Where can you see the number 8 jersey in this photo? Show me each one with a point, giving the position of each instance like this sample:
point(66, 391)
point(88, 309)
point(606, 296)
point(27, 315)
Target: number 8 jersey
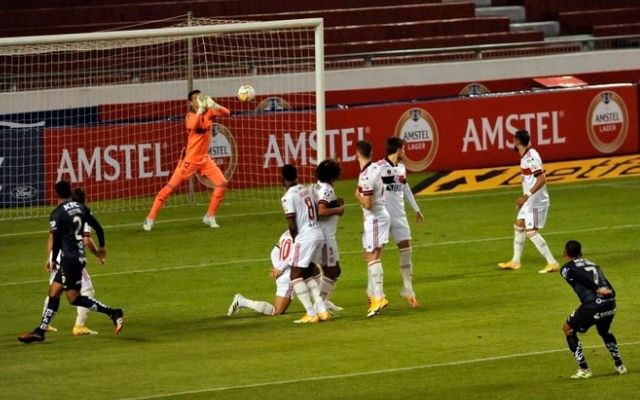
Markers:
point(299, 202)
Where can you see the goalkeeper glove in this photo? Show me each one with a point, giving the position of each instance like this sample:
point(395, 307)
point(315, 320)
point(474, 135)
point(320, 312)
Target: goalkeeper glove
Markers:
point(202, 104)
point(211, 103)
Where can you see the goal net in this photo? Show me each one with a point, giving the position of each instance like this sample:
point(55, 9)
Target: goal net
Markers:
point(106, 111)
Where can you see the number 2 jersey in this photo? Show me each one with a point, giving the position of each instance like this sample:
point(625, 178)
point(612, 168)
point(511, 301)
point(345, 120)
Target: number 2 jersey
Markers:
point(585, 278)
point(67, 224)
point(299, 202)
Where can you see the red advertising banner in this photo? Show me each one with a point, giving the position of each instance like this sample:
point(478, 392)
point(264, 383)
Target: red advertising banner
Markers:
point(116, 161)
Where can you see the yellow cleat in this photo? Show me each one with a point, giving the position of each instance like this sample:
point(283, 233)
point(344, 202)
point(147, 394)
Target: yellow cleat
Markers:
point(324, 316)
point(51, 329)
point(550, 268)
point(377, 304)
point(509, 265)
point(81, 330)
point(307, 319)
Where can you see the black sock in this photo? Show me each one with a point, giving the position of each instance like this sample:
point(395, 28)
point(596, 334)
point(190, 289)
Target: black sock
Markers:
point(612, 345)
point(52, 307)
point(576, 348)
point(93, 305)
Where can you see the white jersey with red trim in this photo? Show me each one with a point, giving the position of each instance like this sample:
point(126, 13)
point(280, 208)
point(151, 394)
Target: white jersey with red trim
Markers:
point(281, 251)
point(299, 202)
point(531, 167)
point(325, 194)
point(370, 184)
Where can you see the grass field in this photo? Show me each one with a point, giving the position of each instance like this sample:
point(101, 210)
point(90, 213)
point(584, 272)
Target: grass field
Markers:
point(481, 333)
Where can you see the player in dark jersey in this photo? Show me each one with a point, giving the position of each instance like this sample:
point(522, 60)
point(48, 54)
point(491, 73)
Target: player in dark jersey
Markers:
point(597, 307)
point(67, 223)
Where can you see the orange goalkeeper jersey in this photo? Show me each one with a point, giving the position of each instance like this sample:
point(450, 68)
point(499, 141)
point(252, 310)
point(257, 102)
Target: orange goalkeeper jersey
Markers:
point(199, 134)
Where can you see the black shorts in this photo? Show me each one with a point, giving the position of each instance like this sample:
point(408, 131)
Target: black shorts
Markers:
point(69, 274)
point(599, 313)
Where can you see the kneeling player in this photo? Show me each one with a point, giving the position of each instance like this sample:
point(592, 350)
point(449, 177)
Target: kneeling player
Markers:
point(598, 307)
point(330, 209)
point(281, 273)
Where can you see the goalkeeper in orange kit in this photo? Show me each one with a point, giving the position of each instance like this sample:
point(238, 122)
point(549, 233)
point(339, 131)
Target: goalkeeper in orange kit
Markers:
point(196, 158)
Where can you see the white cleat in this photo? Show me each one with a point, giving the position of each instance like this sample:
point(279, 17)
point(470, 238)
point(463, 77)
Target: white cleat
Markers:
point(147, 225)
point(331, 307)
point(582, 374)
point(235, 305)
point(210, 221)
point(621, 369)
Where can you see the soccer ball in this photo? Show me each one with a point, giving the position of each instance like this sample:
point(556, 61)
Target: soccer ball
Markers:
point(246, 93)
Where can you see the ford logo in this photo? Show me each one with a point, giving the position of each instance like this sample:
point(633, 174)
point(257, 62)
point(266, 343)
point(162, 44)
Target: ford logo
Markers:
point(24, 192)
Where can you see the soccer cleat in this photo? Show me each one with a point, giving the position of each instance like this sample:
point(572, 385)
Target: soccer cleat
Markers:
point(80, 330)
point(210, 221)
point(147, 225)
point(118, 320)
point(621, 369)
point(307, 319)
point(235, 305)
point(332, 307)
point(51, 329)
point(377, 304)
point(31, 337)
point(410, 296)
point(510, 265)
point(324, 316)
point(385, 303)
point(582, 374)
point(550, 268)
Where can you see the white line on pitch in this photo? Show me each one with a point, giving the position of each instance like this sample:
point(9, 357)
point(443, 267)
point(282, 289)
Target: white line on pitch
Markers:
point(419, 199)
point(391, 248)
point(364, 373)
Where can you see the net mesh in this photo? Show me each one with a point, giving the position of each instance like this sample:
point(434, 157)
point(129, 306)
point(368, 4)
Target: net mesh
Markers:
point(108, 115)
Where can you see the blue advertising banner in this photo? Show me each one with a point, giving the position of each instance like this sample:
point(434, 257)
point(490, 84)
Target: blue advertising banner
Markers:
point(21, 164)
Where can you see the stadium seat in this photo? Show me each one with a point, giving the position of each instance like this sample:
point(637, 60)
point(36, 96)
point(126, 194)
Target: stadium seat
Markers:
point(616, 29)
point(580, 22)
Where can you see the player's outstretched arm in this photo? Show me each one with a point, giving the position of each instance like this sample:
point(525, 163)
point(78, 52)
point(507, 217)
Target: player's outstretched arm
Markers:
point(410, 198)
point(93, 222)
point(91, 245)
point(217, 109)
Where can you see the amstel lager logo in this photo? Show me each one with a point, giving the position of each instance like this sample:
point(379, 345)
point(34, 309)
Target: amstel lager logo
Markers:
point(474, 89)
point(607, 122)
point(420, 133)
point(274, 103)
point(223, 151)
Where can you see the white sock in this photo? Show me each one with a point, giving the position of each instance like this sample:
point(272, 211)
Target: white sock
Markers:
point(83, 313)
point(46, 303)
point(375, 275)
point(258, 306)
point(518, 243)
point(314, 289)
point(369, 285)
point(542, 247)
point(302, 292)
point(406, 269)
point(326, 287)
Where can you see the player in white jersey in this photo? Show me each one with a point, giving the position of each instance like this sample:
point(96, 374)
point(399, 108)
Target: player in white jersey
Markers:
point(370, 195)
point(86, 288)
point(397, 190)
point(330, 209)
point(281, 272)
point(300, 209)
point(532, 206)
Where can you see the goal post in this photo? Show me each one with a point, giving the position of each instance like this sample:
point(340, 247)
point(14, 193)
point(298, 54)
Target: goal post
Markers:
point(105, 111)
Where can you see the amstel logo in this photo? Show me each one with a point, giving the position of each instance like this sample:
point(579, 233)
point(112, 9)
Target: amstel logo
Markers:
point(274, 103)
point(474, 89)
point(607, 122)
point(419, 131)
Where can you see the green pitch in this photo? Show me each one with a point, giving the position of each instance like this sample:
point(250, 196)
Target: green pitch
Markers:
point(481, 333)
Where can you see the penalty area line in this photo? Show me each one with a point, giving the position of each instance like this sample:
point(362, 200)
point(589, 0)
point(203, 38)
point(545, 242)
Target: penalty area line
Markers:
point(365, 373)
point(259, 260)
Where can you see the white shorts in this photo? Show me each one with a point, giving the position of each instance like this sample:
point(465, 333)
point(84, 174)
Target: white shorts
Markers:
point(534, 215)
point(376, 232)
point(86, 284)
point(283, 285)
point(330, 253)
point(305, 253)
point(399, 229)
